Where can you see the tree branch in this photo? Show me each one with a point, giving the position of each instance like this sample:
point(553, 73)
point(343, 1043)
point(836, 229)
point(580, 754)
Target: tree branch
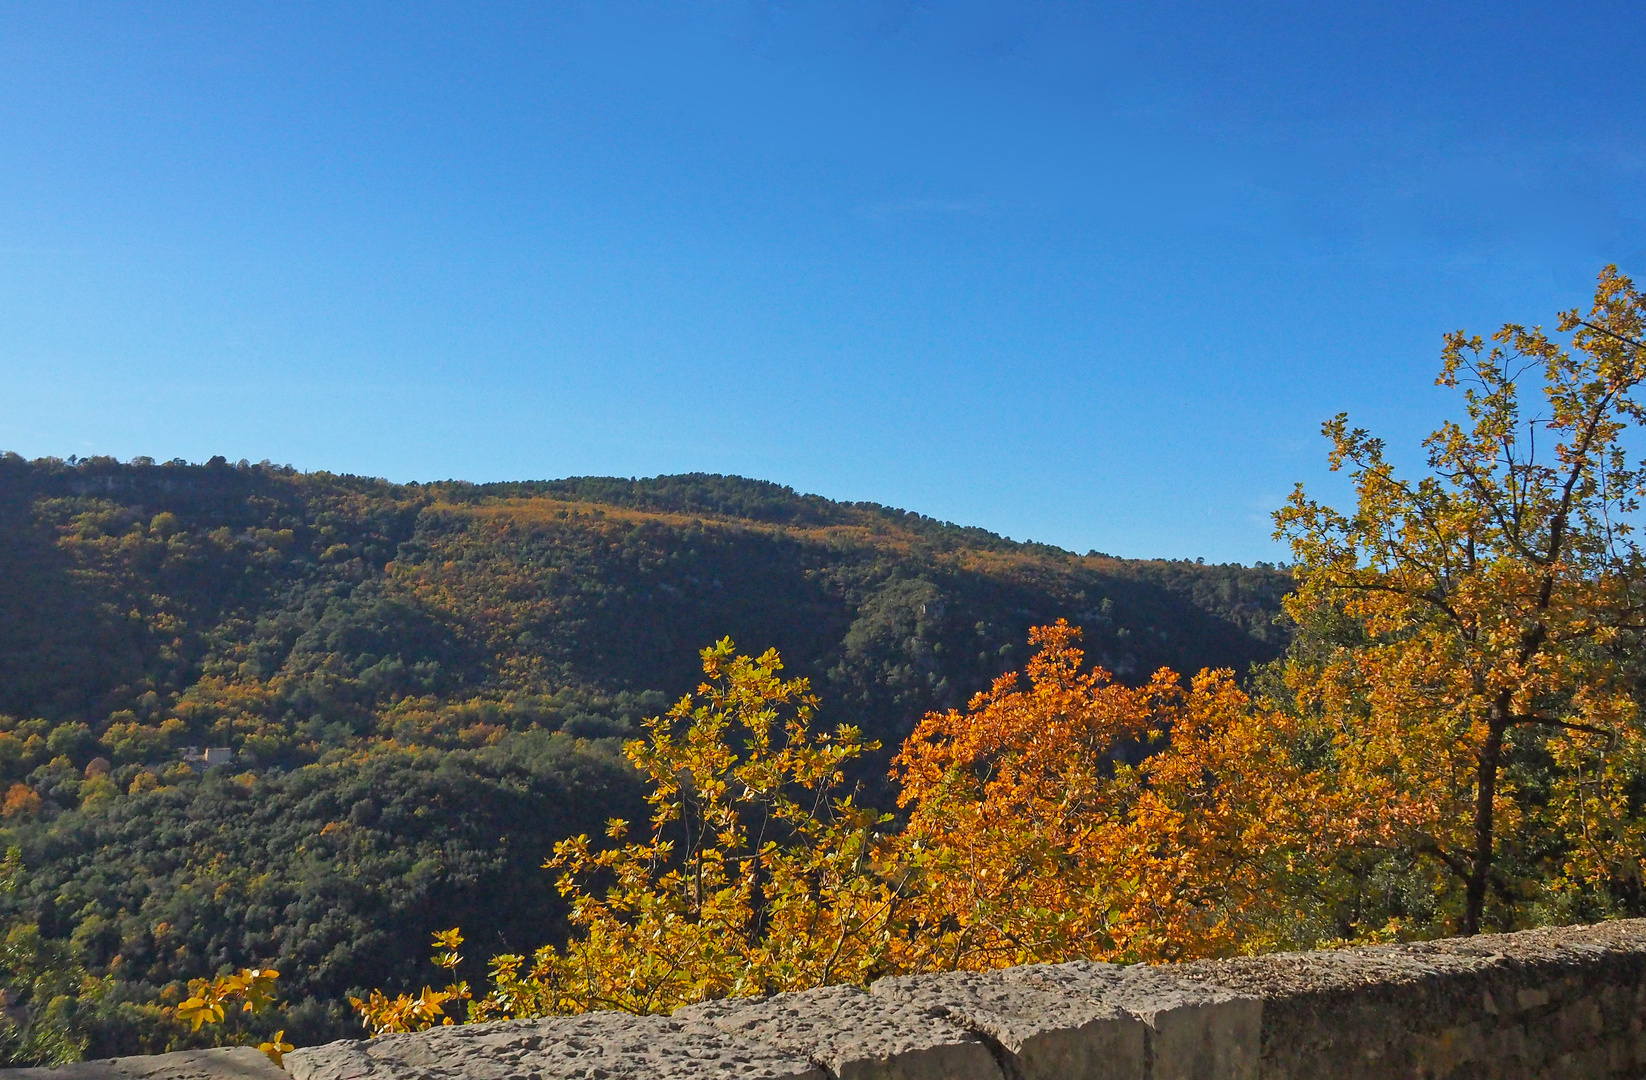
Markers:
point(1614, 336)
point(1547, 721)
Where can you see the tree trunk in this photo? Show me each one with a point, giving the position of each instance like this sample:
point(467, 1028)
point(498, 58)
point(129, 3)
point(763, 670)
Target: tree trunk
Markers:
point(1485, 795)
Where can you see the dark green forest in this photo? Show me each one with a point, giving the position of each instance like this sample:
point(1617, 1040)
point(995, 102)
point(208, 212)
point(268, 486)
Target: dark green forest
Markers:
point(424, 686)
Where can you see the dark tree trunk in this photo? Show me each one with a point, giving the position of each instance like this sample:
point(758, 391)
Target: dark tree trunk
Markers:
point(1485, 795)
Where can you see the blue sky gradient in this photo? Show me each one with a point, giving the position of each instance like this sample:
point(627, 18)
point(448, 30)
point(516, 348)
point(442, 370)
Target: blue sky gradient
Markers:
point(1084, 274)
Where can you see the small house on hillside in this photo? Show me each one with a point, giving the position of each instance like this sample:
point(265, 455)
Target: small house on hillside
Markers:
point(201, 760)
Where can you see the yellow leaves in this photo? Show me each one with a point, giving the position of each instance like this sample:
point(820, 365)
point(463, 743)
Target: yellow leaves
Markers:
point(447, 941)
point(383, 1015)
point(417, 1012)
point(198, 1011)
point(1464, 625)
point(143, 781)
point(277, 1048)
point(210, 1000)
point(1041, 827)
point(754, 876)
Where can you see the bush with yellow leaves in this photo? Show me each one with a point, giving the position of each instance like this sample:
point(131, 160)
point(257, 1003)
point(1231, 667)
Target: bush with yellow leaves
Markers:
point(1027, 840)
point(755, 875)
point(213, 1001)
point(417, 1012)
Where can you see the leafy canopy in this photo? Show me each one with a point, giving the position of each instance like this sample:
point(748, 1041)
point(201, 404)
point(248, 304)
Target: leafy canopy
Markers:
point(1471, 644)
point(1080, 817)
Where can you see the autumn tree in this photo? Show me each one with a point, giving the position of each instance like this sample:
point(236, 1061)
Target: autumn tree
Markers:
point(1470, 634)
point(1071, 817)
point(1076, 816)
point(754, 875)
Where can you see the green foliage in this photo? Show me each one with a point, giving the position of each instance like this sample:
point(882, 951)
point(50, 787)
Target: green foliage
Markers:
point(333, 873)
point(425, 686)
point(43, 988)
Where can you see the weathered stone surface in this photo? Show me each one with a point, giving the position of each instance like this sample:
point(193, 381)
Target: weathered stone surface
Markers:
point(227, 1063)
point(854, 1035)
point(1194, 1030)
point(610, 1046)
point(1559, 1003)
point(1044, 1034)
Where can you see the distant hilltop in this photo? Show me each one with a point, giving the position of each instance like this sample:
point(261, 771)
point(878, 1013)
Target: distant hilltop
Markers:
point(600, 583)
point(308, 719)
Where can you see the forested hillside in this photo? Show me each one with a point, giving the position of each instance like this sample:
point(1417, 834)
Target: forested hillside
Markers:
point(425, 686)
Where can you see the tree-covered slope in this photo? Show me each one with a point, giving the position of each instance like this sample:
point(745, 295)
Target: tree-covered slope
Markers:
point(424, 685)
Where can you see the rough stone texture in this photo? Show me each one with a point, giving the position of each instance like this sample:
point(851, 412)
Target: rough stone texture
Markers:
point(1566, 1003)
point(856, 1036)
point(1038, 1034)
point(229, 1063)
point(1560, 1004)
point(610, 1046)
point(1193, 1030)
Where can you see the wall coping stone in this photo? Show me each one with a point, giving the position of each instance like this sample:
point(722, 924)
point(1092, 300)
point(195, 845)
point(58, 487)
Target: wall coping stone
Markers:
point(1034, 1032)
point(602, 1044)
point(854, 1035)
point(224, 1063)
point(1566, 1003)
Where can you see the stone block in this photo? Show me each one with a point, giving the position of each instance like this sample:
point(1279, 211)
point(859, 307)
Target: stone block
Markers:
point(1537, 1004)
point(1359, 1014)
point(225, 1063)
point(855, 1036)
point(1194, 1030)
point(1042, 1034)
point(612, 1046)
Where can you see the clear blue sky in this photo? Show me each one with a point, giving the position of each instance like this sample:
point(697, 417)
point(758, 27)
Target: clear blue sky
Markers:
point(1085, 274)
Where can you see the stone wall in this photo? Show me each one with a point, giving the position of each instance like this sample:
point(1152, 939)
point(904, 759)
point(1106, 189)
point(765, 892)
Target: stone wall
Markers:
point(1566, 1003)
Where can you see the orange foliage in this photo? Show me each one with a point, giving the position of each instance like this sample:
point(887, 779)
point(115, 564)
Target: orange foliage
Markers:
point(1035, 838)
point(1075, 817)
point(20, 799)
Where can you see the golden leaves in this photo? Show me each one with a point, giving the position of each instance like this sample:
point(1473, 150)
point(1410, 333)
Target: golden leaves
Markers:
point(1069, 817)
point(276, 1048)
point(383, 1015)
point(20, 800)
point(754, 876)
point(1484, 613)
point(210, 1000)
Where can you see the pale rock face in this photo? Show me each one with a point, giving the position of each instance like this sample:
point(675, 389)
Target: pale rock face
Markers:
point(856, 1036)
point(1045, 1034)
point(613, 1046)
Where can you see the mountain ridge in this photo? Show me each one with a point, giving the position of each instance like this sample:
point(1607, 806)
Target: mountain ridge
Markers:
point(424, 686)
